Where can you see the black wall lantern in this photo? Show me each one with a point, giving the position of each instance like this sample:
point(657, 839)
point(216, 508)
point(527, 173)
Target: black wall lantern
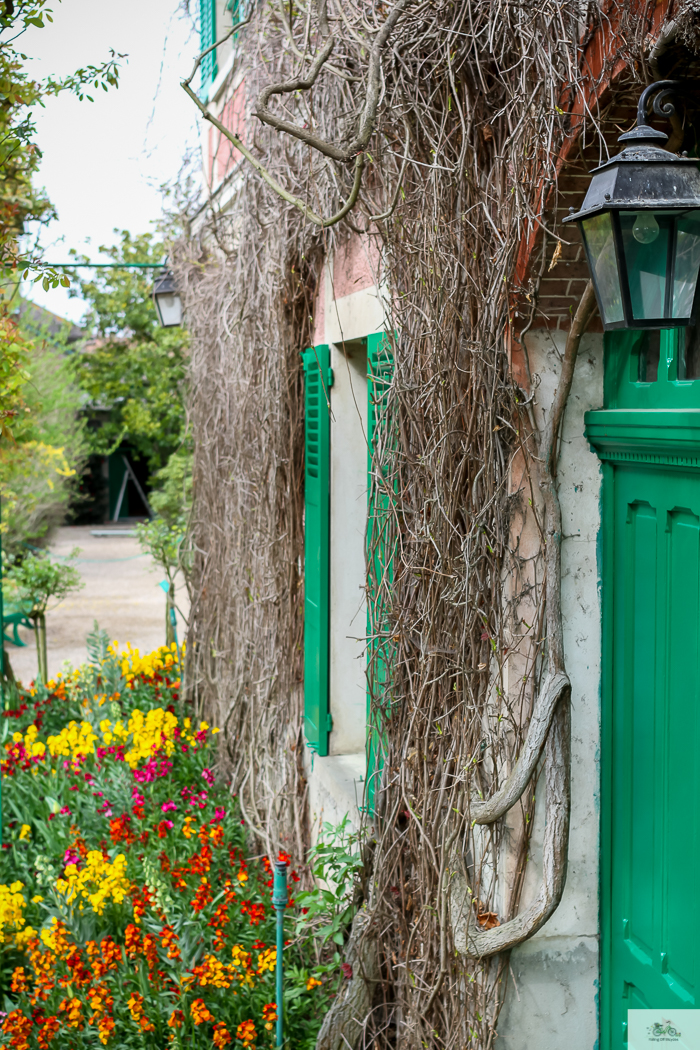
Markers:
point(640, 224)
point(167, 300)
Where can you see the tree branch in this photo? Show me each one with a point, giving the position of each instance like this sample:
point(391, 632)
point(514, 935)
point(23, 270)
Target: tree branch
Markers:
point(557, 688)
point(554, 687)
point(272, 182)
point(368, 116)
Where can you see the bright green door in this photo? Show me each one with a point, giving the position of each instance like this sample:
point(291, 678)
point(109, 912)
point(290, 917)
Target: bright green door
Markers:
point(649, 440)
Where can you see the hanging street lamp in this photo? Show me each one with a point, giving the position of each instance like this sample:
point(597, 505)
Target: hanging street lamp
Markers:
point(640, 225)
point(167, 300)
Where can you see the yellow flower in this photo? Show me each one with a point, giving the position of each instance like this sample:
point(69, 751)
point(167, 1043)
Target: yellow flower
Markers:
point(25, 832)
point(25, 935)
point(11, 909)
point(37, 899)
point(97, 882)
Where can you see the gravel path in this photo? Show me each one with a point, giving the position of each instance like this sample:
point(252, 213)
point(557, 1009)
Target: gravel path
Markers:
point(121, 592)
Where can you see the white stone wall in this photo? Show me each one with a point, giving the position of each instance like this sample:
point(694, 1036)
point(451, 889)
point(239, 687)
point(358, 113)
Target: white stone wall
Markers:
point(552, 995)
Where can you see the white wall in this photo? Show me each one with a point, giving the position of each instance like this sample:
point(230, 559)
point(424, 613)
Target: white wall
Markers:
point(552, 996)
point(348, 488)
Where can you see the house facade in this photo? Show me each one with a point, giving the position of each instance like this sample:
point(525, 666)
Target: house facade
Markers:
point(383, 597)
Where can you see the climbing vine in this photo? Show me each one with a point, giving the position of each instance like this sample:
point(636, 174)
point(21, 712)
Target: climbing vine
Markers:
point(477, 102)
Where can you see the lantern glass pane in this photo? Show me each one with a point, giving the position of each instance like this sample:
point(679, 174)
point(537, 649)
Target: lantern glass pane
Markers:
point(687, 266)
point(645, 241)
point(600, 248)
point(169, 307)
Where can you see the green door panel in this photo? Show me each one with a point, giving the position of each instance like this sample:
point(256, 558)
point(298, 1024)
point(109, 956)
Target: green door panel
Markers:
point(655, 739)
point(318, 379)
point(648, 437)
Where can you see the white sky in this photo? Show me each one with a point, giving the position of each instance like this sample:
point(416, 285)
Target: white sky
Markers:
point(104, 161)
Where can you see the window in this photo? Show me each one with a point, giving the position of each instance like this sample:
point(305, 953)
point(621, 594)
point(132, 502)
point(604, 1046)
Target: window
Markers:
point(344, 388)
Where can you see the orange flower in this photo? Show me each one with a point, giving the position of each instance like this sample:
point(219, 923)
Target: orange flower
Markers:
point(269, 1015)
point(176, 1019)
point(203, 896)
point(200, 1013)
point(72, 1007)
point(312, 983)
point(150, 950)
point(135, 1005)
point(18, 1027)
point(132, 940)
point(105, 1027)
point(169, 941)
point(47, 1031)
point(19, 980)
point(222, 1036)
point(111, 952)
point(246, 1033)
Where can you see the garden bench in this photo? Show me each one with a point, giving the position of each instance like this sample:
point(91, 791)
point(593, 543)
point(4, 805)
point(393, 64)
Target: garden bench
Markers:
point(15, 615)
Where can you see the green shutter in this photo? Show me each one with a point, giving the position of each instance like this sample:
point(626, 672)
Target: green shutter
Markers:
point(316, 547)
point(380, 556)
point(207, 37)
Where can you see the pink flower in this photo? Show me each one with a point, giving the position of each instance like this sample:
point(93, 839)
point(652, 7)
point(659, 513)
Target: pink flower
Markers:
point(66, 811)
point(168, 806)
point(208, 776)
point(71, 857)
point(219, 814)
point(137, 797)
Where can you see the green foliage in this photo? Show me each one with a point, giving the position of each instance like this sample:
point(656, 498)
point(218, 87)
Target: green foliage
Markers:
point(39, 580)
point(330, 906)
point(172, 495)
point(39, 467)
point(34, 582)
point(163, 543)
point(33, 487)
point(133, 367)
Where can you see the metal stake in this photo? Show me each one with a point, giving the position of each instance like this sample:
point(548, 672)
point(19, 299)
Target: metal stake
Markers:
point(2, 659)
point(279, 903)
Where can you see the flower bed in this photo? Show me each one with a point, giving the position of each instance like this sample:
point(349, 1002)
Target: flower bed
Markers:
point(130, 912)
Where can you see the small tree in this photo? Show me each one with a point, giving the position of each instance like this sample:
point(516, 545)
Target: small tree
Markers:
point(38, 580)
point(163, 542)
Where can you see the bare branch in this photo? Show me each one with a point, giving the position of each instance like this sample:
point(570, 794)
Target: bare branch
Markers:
point(271, 181)
point(368, 116)
point(390, 211)
point(198, 61)
point(555, 687)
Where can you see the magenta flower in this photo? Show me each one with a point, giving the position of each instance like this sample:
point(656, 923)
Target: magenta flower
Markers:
point(71, 857)
point(219, 814)
point(168, 806)
point(208, 776)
